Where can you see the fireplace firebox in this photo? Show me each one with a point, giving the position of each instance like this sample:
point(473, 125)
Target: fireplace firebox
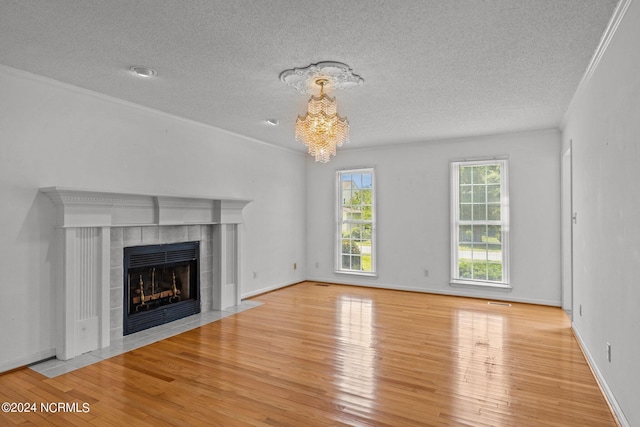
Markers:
point(161, 284)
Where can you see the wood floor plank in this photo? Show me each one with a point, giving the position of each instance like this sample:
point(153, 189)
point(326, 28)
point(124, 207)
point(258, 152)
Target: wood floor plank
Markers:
point(338, 355)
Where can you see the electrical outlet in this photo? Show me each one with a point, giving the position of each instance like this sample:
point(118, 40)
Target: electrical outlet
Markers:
point(609, 352)
point(295, 266)
point(255, 274)
point(426, 273)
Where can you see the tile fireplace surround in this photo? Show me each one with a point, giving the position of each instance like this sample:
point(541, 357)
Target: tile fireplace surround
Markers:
point(93, 227)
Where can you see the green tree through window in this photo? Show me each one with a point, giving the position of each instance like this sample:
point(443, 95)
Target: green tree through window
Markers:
point(356, 247)
point(480, 222)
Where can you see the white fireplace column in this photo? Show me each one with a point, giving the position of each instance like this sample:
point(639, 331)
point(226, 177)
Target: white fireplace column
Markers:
point(83, 282)
point(83, 300)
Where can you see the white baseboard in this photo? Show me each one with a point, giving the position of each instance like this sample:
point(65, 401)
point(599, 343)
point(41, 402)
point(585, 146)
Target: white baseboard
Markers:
point(24, 361)
point(498, 296)
point(608, 394)
point(270, 288)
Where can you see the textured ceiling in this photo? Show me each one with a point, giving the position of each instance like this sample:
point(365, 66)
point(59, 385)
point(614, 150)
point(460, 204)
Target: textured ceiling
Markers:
point(433, 69)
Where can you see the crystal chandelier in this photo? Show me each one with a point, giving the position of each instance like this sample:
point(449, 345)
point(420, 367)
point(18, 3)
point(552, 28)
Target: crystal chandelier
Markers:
point(322, 129)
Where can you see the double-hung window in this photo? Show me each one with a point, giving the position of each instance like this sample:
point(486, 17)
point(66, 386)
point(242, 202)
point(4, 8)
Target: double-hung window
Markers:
point(355, 238)
point(480, 223)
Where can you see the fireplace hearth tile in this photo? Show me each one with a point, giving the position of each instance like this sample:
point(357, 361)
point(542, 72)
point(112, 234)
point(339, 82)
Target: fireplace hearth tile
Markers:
point(53, 367)
point(116, 317)
point(115, 279)
point(132, 236)
point(194, 232)
point(150, 235)
point(174, 234)
point(115, 257)
point(116, 234)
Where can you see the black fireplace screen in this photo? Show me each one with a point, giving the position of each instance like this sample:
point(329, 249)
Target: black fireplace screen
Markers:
point(161, 284)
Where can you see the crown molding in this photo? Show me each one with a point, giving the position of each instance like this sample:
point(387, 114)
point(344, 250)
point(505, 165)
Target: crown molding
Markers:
point(606, 38)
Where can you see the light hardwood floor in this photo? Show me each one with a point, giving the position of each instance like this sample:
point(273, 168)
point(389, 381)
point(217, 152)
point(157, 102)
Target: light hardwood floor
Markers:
point(316, 355)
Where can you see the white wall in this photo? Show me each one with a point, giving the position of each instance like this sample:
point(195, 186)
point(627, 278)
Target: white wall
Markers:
point(55, 135)
point(604, 125)
point(413, 206)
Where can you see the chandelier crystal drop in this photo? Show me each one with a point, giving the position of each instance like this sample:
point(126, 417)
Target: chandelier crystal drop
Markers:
point(322, 129)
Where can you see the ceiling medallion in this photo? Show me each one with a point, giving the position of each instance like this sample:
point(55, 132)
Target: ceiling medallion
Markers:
point(321, 129)
point(338, 76)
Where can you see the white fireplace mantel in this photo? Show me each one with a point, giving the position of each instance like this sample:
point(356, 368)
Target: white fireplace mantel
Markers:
point(92, 208)
point(86, 306)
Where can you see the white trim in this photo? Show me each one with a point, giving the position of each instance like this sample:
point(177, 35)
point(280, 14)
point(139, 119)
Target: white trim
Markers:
point(607, 36)
point(479, 283)
point(357, 273)
point(454, 168)
point(338, 221)
point(608, 394)
point(271, 288)
point(27, 360)
point(450, 292)
point(92, 208)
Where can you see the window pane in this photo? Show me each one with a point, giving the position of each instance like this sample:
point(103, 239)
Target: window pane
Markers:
point(493, 174)
point(364, 196)
point(494, 233)
point(356, 232)
point(464, 233)
point(346, 215)
point(357, 180)
point(480, 252)
point(346, 246)
point(494, 271)
point(479, 233)
point(465, 194)
point(480, 270)
point(465, 212)
point(493, 212)
point(346, 262)
point(465, 174)
point(355, 262)
point(480, 175)
point(366, 231)
point(479, 212)
point(365, 262)
point(366, 213)
point(479, 194)
point(464, 252)
point(493, 193)
point(464, 269)
point(367, 180)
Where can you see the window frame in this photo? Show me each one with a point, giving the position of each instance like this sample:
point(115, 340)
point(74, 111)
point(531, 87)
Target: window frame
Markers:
point(339, 222)
point(504, 222)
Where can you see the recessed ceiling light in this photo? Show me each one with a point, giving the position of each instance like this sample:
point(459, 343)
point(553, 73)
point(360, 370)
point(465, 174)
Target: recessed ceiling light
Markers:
point(142, 71)
point(273, 122)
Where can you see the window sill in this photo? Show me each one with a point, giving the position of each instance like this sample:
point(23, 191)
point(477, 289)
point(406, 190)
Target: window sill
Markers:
point(357, 273)
point(477, 283)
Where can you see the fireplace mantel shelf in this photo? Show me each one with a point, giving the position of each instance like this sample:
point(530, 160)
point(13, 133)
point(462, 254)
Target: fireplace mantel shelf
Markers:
point(91, 208)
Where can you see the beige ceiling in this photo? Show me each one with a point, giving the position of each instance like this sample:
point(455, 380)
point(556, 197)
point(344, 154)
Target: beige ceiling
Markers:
point(432, 68)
